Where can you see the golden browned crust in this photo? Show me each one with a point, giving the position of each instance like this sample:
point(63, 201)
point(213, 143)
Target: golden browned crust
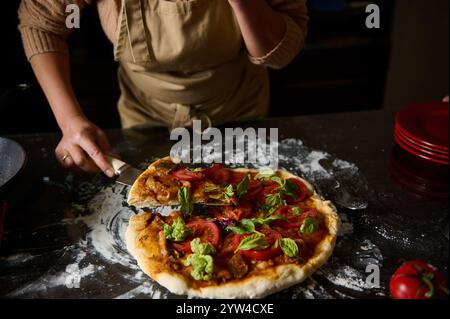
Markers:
point(258, 285)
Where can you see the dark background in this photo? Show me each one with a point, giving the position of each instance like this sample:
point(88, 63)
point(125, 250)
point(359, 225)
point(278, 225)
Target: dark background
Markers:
point(344, 66)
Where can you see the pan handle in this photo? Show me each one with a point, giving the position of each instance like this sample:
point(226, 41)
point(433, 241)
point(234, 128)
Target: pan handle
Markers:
point(116, 163)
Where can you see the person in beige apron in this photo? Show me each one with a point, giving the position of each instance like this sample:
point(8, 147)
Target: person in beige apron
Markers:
point(179, 61)
point(175, 72)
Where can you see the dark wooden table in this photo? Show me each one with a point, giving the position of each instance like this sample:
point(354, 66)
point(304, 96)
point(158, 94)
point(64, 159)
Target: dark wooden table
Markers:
point(408, 207)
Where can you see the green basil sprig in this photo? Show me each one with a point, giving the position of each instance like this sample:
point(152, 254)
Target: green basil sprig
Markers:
point(256, 241)
point(200, 248)
point(216, 192)
point(202, 266)
point(184, 199)
point(248, 226)
point(309, 226)
point(201, 260)
point(242, 187)
point(289, 247)
point(265, 174)
point(177, 231)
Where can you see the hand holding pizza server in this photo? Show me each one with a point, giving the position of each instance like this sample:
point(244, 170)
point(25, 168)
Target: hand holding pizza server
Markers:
point(206, 60)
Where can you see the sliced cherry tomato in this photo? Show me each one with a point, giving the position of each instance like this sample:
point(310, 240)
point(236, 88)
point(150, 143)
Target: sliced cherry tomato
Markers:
point(187, 175)
point(269, 188)
point(309, 213)
point(418, 280)
point(291, 221)
point(238, 213)
point(254, 189)
point(236, 177)
point(218, 174)
point(261, 255)
point(302, 192)
point(207, 231)
point(183, 247)
point(231, 243)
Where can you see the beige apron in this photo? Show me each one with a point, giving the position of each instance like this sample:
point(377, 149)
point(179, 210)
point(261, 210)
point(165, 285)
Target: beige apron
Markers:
point(185, 60)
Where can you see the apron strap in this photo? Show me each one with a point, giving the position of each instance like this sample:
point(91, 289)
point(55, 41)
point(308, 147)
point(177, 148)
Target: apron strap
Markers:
point(132, 29)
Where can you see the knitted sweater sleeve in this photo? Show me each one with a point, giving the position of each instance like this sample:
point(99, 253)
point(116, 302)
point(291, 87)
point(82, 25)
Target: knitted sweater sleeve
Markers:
point(43, 25)
point(295, 14)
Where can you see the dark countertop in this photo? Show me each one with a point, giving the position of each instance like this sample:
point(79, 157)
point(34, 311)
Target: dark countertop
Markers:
point(51, 237)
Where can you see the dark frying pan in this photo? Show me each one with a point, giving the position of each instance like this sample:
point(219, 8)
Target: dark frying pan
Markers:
point(12, 160)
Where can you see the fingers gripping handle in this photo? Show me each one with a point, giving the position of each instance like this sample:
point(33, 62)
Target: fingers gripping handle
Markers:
point(116, 163)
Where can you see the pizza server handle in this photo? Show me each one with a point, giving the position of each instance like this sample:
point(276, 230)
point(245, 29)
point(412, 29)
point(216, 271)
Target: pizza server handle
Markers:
point(116, 163)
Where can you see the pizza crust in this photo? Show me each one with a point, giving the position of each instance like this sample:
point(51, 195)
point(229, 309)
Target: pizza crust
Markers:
point(267, 282)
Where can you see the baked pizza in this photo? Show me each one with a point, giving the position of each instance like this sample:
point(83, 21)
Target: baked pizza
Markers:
point(270, 231)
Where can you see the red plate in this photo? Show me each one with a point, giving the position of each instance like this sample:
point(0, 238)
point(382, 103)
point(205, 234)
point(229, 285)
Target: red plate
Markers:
point(426, 123)
point(419, 143)
point(419, 153)
point(419, 147)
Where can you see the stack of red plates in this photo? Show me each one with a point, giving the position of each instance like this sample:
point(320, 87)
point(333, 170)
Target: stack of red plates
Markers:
point(423, 130)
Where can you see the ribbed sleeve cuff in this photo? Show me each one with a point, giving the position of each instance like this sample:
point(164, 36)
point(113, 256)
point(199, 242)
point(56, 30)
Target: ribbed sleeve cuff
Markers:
point(286, 50)
point(36, 41)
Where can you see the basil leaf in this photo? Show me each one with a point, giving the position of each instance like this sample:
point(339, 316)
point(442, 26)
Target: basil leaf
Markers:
point(254, 242)
point(289, 247)
point(290, 188)
point(266, 173)
point(228, 192)
point(177, 231)
point(248, 226)
point(296, 211)
point(278, 180)
point(275, 200)
point(245, 226)
point(268, 210)
point(268, 220)
point(214, 192)
point(200, 248)
point(242, 187)
point(212, 189)
point(309, 226)
point(202, 266)
point(184, 198)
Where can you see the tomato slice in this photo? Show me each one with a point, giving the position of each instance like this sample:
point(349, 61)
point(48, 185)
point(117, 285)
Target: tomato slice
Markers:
point(187, 175)
point(291, 221)
point(302, 192)
point(207, 231)
point(231, 243)
point(254, 189)
point(271, 236)
point(309, 213)
point(270, 188)
point(218, 174)
point(236, 177)
point(183, 247)
point(261, 255)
